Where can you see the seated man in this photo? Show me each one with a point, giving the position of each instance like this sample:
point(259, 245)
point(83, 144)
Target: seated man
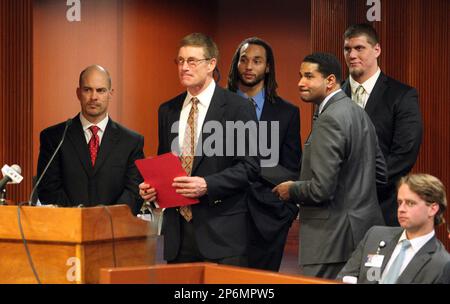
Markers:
point(410, 253)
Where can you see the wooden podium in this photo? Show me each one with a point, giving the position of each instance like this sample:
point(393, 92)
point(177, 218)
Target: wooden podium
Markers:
point(70, 245)
point(201, 273)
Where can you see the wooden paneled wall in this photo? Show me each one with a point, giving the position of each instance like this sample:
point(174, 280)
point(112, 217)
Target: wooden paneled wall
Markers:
point(286, 27)
point(136, 40)
point(415, 41)
point(16, 91)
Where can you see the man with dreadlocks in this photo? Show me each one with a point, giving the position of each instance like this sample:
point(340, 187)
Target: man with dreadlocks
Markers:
point(252, 75)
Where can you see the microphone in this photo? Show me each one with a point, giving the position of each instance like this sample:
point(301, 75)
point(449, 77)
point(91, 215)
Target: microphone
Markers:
point(68, 123)
point(10, 175)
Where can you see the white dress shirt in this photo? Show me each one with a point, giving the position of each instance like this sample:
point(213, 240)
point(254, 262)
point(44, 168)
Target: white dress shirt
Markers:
point(204, 101)
point(86, 125)
point(324, 102)
point(416, 244)
point(368, 86)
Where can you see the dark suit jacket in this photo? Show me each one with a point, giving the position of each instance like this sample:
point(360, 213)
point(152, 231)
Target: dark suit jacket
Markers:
point(337, 190)
point(269, 214)
point(71, 180)
point(426, 267)
point(394, 110)
point(220, 218)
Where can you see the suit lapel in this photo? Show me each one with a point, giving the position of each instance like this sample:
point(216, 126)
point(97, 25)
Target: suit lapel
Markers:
point(391, 240)
point(269, 115)
point(173, 116)
point(75, 135)
point(377, 94)
point(214, 113)
point(109, 141)
point(389, 249)
point(338, 96)
point(314, 118)
point(417, 262)
point(268, 112)
point(346, 88)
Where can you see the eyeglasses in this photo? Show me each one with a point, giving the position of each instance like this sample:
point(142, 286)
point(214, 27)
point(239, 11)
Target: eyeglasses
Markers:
point(192, 62)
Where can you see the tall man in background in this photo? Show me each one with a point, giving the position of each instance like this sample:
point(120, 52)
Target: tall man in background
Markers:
point(252, 75)
point(391, 105)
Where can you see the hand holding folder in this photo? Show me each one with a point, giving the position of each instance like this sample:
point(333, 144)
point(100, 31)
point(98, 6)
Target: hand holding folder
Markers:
point(159, 172)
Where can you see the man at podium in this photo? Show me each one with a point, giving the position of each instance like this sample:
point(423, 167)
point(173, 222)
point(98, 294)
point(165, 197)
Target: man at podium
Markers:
point(95, 163)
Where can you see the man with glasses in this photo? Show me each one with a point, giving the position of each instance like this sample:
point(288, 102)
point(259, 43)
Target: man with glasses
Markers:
point(215, 229)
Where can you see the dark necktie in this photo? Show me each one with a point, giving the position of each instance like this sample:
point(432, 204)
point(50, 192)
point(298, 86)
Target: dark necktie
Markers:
point(314, 118)
point(94, 144)
point(254, 105)
point(315, 115)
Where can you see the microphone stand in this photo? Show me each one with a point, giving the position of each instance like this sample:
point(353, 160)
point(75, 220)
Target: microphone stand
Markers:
point(3, 197)
point(30, 200)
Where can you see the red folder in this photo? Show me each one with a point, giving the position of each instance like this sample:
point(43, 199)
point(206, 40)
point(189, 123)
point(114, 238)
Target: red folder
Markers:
point(159, 172)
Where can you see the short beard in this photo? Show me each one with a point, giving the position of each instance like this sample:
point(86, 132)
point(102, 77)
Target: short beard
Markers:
point(356, 73)
point(251, 83)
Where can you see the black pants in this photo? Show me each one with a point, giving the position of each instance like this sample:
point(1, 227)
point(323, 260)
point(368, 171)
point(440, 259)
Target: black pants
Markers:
point(189, 252)
point(263, 254)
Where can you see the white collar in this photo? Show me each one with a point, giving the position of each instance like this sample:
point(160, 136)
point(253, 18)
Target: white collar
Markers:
point(368, 85)
point(86, 124)
point(204, 97)
point(418, 242)
point(324, 102)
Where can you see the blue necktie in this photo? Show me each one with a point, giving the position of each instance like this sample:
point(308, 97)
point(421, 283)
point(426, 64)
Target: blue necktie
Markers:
point(394, 272)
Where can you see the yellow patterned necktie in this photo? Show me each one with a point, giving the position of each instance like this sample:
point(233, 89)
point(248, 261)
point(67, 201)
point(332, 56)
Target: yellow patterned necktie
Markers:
point(359, 96)
point(188, 150)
